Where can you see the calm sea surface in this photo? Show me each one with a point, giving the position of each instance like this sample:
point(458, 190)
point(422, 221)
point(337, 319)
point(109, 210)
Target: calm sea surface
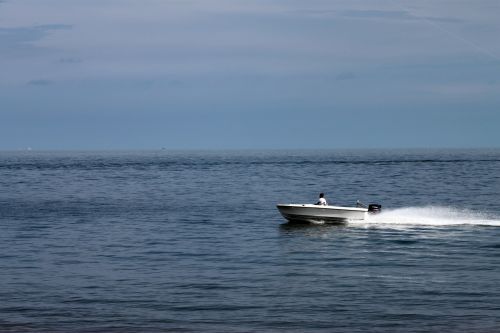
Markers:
point(162, 241)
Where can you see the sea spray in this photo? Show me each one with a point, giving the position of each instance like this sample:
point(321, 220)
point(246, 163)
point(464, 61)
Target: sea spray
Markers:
point(432, 216)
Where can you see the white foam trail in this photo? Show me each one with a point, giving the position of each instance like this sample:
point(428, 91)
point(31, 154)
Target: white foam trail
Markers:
point(431, 216)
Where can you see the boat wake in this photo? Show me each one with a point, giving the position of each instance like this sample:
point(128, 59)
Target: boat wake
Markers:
point(430, 216)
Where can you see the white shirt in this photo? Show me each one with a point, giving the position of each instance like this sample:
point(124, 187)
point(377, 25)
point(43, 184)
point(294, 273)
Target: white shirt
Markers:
point(322, 202)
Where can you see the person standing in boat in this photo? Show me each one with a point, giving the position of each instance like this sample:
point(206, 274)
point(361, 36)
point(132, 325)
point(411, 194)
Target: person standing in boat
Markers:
point(322, 200)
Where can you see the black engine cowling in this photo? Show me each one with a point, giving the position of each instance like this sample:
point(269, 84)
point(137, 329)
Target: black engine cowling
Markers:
point(374, 208)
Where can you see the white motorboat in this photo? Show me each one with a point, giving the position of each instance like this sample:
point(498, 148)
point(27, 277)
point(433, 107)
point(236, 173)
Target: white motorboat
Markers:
point(322, 214)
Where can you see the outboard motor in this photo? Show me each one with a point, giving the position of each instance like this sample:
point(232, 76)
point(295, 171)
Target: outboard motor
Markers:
point(374, 208)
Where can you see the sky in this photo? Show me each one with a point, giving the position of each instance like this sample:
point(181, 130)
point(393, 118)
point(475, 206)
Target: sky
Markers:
point(253, 74)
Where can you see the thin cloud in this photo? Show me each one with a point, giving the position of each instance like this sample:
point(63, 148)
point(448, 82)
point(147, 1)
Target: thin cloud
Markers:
point(401, 15)
point(397, 15)
point(15, 40)
point(384, 14)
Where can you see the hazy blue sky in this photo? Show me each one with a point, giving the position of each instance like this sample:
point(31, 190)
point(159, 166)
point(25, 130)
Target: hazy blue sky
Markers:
point(105, 74)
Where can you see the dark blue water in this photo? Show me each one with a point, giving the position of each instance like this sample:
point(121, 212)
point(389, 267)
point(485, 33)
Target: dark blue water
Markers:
point(165, 241)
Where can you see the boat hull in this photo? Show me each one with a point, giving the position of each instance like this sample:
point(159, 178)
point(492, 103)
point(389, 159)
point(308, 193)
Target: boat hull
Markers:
point(321, 214)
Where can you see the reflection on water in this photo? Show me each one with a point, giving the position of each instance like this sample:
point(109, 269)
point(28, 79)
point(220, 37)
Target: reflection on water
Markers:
point(311, 229)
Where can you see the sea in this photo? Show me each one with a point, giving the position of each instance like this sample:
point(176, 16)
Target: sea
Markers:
point(191, 241)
